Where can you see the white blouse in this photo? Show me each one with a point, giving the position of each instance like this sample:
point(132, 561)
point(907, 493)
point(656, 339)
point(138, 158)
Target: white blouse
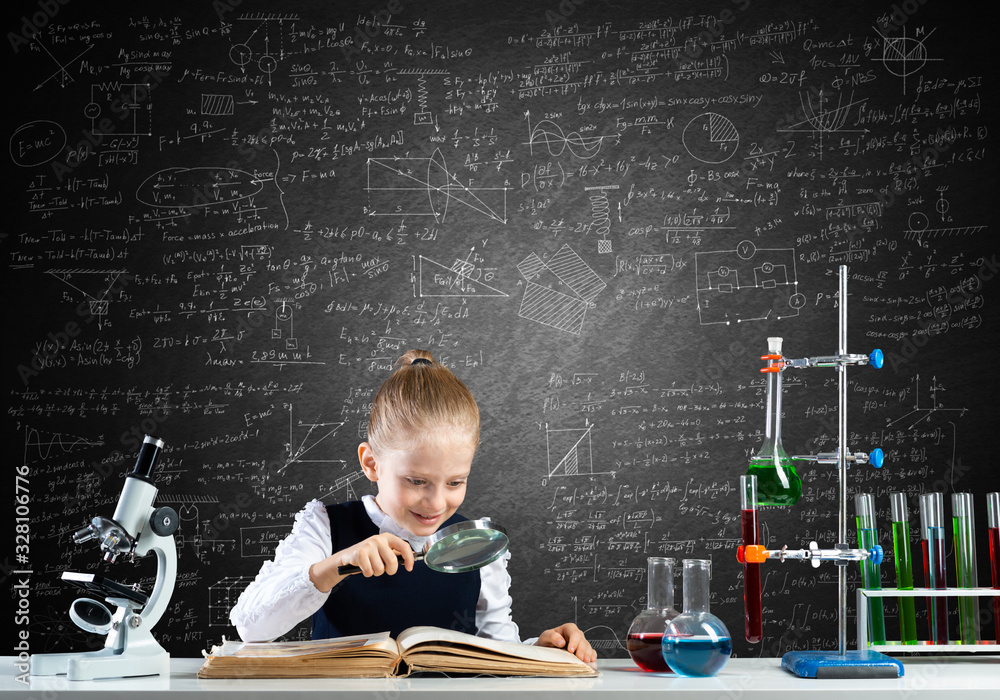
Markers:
point(282, 595)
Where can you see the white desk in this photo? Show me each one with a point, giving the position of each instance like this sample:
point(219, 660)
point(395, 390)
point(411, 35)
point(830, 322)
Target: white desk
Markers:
point(965, 678)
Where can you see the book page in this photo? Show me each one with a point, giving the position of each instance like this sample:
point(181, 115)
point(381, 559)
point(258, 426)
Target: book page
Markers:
point(315, 646)
point(421, 635)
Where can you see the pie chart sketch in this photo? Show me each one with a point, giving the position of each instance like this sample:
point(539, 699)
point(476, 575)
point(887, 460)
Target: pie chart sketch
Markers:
point(711, 138)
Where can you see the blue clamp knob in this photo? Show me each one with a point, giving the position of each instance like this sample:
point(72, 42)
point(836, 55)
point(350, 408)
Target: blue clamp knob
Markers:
point(875, 359)
point(876, 458)
point(875, 555)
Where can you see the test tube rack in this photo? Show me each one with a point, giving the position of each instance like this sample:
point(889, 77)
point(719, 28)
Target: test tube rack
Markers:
point(920, 647)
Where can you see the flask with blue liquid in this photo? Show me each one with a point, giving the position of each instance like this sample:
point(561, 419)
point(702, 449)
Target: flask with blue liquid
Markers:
point(696, 642)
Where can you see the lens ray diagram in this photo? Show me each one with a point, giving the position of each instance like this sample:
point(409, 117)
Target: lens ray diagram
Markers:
point(425, 187)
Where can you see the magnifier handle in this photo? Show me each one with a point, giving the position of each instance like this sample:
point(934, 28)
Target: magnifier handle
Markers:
point(348, 569)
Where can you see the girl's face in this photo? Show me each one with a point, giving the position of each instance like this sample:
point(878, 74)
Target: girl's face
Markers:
point(422, 487)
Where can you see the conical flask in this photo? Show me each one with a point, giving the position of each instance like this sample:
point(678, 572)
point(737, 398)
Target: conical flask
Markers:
point(696, 642)
point(645, 636)
point(777, 482)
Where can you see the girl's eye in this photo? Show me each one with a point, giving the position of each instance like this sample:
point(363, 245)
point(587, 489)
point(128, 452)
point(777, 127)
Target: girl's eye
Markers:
point(456, 483)
point(416, 482)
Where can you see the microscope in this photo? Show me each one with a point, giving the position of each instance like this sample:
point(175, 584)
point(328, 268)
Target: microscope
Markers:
point(136, 529)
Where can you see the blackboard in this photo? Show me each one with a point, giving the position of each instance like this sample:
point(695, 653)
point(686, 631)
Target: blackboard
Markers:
point(227, 219)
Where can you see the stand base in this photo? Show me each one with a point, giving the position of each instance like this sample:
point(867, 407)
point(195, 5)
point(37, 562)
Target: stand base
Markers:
point(851, 664)
point(88, 665)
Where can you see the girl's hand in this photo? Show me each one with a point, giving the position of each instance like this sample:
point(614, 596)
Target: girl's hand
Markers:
point(571, 638)
point(375, 556)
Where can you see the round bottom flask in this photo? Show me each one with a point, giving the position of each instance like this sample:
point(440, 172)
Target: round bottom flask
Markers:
point(645, 636)
point(696, 642)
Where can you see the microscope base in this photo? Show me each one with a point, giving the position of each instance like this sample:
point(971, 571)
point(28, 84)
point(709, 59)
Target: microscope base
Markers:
point(146, 660)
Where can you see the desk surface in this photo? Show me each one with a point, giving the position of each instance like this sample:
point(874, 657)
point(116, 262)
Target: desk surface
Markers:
point(741, 679)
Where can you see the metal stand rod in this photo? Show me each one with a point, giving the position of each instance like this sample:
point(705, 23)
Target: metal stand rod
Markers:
point(842, 465)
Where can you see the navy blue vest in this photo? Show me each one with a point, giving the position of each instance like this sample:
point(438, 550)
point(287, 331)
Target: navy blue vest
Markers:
point(359, 605)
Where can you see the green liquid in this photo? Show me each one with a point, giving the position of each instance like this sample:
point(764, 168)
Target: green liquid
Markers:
point(871, 579)
point(965, 565)
point(777, 482)
point(904, 582)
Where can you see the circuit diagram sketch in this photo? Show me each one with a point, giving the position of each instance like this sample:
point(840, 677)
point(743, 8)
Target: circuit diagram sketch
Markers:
point(746, 284)
point(425, 187)
point(129, 103)
point(544, 301)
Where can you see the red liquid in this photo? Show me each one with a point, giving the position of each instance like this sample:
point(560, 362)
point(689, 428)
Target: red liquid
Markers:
point(938, 605)
point(994, 538)
point(751, 582)
point(646, 649)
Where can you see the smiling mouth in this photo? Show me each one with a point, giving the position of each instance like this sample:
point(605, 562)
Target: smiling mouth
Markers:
point(427, 519)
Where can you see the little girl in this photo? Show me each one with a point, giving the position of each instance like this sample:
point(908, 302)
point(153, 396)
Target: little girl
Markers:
point(422, 437)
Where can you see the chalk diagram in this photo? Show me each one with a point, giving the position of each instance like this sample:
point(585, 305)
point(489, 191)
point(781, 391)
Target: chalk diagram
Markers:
point(49, 444)
point(425, 187)
point(179, 192)
point(461, 279)
point(94, 285)
point(129, 103)
point(711, 138)
point(218, 105)
point(904, 56)
point(302, 448)
point(222, 597)
point(190, 531)
point(568, 452)
point(555, 141)
point(256, 51)
point(746, 284)
point(822, 118)
point(62, 74)
point(919, 227)
point(284, 323)
point(544, 303)
point(423, 116)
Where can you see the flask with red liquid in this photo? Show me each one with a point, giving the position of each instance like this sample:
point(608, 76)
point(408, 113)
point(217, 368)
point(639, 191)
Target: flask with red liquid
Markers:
point(645, 636)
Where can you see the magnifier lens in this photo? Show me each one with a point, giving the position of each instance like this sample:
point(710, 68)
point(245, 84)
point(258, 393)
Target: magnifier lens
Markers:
point(466, 550)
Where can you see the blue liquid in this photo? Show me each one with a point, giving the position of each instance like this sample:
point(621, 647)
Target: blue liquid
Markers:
point(696, 656)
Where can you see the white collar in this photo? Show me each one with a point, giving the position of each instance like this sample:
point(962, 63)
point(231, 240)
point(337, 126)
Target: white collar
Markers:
point(384, 523)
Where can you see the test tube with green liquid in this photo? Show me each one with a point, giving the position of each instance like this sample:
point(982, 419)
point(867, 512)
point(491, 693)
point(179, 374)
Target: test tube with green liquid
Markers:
point(935, 572)
point(864, 507)
point(963, 521)
point(904, 567)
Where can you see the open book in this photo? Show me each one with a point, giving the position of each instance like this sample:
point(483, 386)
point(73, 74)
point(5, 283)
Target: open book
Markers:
point(379, 656)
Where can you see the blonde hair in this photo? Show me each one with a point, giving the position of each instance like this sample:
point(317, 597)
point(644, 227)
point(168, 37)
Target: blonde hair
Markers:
point(421, 398)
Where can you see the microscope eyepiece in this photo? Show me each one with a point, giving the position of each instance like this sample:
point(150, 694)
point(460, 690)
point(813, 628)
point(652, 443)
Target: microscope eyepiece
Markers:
point(149, 454)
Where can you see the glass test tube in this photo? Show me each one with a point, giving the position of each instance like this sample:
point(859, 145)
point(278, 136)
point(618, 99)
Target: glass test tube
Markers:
point(864, 507)
point(963, 522)
point(993, 522)
point(932, 541)
point(751, 572)
point(904, 567)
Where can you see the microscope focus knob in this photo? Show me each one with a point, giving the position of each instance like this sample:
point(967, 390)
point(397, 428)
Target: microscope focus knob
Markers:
point(164, 521)
point(876, 458)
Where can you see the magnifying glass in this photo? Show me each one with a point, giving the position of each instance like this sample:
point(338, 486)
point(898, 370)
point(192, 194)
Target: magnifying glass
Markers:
point(464, 546)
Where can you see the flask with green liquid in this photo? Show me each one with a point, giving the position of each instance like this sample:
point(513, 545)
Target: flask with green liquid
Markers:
point(777, 482)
